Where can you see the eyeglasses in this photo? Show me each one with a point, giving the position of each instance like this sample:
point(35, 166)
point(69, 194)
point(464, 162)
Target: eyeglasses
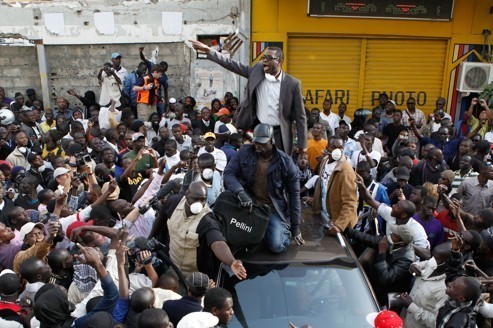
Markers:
point(268, 58)
point(411, 103)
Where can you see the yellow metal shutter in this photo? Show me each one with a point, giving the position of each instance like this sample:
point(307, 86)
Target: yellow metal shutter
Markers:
point(403, 68)
point(327, 68)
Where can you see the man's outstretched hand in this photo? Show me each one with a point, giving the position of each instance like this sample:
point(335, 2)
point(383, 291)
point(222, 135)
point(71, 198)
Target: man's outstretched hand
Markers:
point(197, 45)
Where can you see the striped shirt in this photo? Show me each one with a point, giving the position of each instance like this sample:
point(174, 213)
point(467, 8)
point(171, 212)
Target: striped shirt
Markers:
point(458, 179)
point(419, 119)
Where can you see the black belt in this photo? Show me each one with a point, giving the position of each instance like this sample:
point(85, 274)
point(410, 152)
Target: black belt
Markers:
point(276, 128)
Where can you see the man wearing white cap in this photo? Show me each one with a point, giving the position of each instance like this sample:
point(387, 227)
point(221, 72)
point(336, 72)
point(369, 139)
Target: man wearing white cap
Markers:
point(39, 244)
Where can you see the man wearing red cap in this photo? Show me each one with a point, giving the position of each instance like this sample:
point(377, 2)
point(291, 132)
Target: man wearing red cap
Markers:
point(224, 117)
point(384, 319)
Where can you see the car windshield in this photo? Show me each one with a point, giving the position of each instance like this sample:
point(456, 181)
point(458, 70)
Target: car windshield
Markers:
point(332, 294)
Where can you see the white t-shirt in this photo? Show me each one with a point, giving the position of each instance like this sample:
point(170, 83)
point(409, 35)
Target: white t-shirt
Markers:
point(311, 182)
point(109, 89)
point(358, 157)
point(219, 157)
point(332, 119)
point(327, 172)
point(420, 238)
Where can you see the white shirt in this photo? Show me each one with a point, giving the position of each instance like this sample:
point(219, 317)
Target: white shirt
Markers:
point(332, 119)
point(172, 160)
point(327, 172)
point(268, 92)
point(311, 182)
point(426, 293)
point(358, 157)
point(122, 74)
point(420, 238)
point(219, 157)
point(109, 89)
point(230, 126)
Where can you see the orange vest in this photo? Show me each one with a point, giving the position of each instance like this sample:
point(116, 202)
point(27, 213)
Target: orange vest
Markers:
point(144, 96)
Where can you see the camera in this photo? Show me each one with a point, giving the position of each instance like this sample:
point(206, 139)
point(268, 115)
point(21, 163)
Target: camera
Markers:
point(80, 176)
point(82, 159)
point(140, 244)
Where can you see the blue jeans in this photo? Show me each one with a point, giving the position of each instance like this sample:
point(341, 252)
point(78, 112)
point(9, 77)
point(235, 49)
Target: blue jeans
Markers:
point(277, 236)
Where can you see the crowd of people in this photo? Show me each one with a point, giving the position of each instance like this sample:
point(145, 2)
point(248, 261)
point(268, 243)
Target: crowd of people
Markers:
point(107, 206)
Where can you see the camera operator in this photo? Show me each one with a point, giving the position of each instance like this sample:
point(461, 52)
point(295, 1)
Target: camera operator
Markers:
point(198, 244)
point(39, 170)
point(111, 85)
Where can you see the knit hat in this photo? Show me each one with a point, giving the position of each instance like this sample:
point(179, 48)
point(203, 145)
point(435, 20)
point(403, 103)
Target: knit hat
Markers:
point(16, 170)
point(224, 130)
point(448, 175)
point(100, 319)
point(52, 308)
point(404, 231)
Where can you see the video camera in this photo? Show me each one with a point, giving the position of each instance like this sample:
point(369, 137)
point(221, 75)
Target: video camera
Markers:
point(140, 244)
point(82, 159)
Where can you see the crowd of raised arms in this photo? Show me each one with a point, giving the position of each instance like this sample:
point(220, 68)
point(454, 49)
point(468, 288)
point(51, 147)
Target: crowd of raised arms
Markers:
point(107, 205)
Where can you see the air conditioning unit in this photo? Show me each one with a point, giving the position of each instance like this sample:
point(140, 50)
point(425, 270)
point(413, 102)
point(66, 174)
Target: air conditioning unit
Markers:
point(473, 77)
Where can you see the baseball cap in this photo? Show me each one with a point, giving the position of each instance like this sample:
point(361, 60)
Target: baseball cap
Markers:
point(28, 227)
point(342, 122)
point(402, 173)
point(9, 283)
point(209, 135)
point(137, 135)
point(198, 320)
point(262, 133)
point(224, 130)
point(59, 171)
point(223, 111)
point(172, 100)
point(115, 55)
point(198, 282)
point(404, 231)
point(384, 319)
point(77, 224)
point(391, 101)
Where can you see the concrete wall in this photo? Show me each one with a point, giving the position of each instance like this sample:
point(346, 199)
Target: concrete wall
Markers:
point(77, 66)
point(18, 69)
point(74, 52)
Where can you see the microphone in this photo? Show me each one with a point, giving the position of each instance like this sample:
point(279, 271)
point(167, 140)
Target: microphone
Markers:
point(161, 193)
point(166, 189)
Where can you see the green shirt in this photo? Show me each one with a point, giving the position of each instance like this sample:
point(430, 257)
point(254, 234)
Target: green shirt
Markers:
point(145, 163)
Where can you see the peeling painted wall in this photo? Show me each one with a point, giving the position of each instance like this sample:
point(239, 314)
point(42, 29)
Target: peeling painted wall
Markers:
point(79, 48)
